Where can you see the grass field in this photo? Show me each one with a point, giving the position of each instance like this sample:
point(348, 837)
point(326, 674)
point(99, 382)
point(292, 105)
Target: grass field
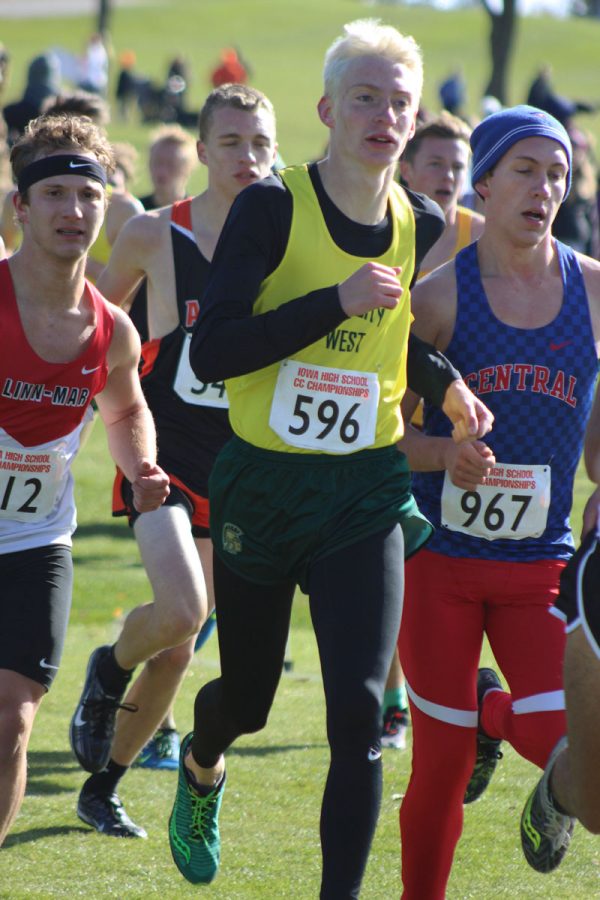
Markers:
point(270, 814)
point(271, 810)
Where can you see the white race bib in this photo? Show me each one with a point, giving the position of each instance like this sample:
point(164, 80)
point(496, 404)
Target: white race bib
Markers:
point(193, 391)
point(29, 482)
point(513, 504)
point(320, 408)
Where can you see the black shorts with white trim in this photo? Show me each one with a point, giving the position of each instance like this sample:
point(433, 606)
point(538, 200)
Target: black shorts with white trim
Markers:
point(578, 602)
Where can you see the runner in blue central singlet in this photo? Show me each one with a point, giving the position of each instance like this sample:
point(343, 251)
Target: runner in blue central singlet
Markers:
point(520, 314)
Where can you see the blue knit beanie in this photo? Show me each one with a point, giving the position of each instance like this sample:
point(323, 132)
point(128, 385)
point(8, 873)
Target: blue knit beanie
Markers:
point(496, 134)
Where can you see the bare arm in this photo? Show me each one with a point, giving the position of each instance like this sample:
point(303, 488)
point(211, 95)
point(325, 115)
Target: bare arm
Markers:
point(122, 207)
point(129, 424)
point(466, 458)
point(591, 276)
point(591, 447)
point(591, 456)
point(128, 259)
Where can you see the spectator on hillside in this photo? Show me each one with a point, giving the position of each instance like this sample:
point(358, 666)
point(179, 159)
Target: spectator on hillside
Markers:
point(453, 93)
point(167, 103)
point(230, 69)
point(94, 66)
point(178, 68)
point(128, 84)
point(4, 65)
point(43, 81)
point(542, 94)
point(576, 223)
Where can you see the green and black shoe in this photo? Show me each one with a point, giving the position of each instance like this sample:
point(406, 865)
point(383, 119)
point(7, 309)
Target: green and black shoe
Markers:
point(194, 826)
point(545, 832)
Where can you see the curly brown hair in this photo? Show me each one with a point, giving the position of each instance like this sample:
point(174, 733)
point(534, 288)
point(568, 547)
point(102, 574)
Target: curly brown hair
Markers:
point(49, 134)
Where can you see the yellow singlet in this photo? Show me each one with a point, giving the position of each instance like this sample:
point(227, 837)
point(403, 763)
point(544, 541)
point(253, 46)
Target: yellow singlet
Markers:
point(364, 359)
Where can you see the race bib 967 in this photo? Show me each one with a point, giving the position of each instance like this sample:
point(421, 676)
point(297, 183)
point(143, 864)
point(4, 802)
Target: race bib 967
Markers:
point(513, 503)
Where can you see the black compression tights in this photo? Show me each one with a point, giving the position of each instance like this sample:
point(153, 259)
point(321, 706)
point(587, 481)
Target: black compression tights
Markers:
point(355, 603)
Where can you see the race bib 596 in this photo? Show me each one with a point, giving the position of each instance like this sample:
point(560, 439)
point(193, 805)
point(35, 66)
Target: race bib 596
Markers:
point(324, 409)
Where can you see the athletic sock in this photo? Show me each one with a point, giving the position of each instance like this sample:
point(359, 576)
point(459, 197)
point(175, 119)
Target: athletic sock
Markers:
point(553, 801)
point(532, 735)
point(104, 783)
point(395, 697)
point(112, 677)
point(203, 790)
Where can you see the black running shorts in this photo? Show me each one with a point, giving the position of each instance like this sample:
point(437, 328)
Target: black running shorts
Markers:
point(36, 590)
point(578, 601)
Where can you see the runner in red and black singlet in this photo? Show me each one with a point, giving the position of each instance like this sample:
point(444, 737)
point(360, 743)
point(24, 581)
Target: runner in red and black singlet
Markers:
point(171, 159)
point(191, 417)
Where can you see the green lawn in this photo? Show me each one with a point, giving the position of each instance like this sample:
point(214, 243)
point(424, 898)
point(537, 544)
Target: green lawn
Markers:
point(271, 810)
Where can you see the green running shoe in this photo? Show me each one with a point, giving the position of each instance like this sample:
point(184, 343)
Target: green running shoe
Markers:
point(488, 749)
point(545, 832)
point(194, 827)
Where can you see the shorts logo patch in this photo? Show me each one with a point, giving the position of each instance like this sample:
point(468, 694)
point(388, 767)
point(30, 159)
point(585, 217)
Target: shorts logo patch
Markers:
point(232, 539)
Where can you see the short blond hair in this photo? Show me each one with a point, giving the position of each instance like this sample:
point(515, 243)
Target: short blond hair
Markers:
point(126, 159)
point(368, 37)
point(176, 136)
point(235, 96)
point(445, 125)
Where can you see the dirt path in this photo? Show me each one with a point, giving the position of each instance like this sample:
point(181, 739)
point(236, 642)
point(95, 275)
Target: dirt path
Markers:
point(26, 9)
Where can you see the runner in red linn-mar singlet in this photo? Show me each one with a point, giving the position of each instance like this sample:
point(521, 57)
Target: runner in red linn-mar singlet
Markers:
point(61, 344)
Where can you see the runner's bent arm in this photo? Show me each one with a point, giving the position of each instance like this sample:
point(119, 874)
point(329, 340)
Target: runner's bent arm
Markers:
point(228, 340)
point(126, 266)
point(121, 209)
point(591, 448)
point(434, 307)
point(129, 424)
point(591, 455)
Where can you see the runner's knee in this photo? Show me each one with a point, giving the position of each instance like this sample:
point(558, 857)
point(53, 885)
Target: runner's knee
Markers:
point(175, 659)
